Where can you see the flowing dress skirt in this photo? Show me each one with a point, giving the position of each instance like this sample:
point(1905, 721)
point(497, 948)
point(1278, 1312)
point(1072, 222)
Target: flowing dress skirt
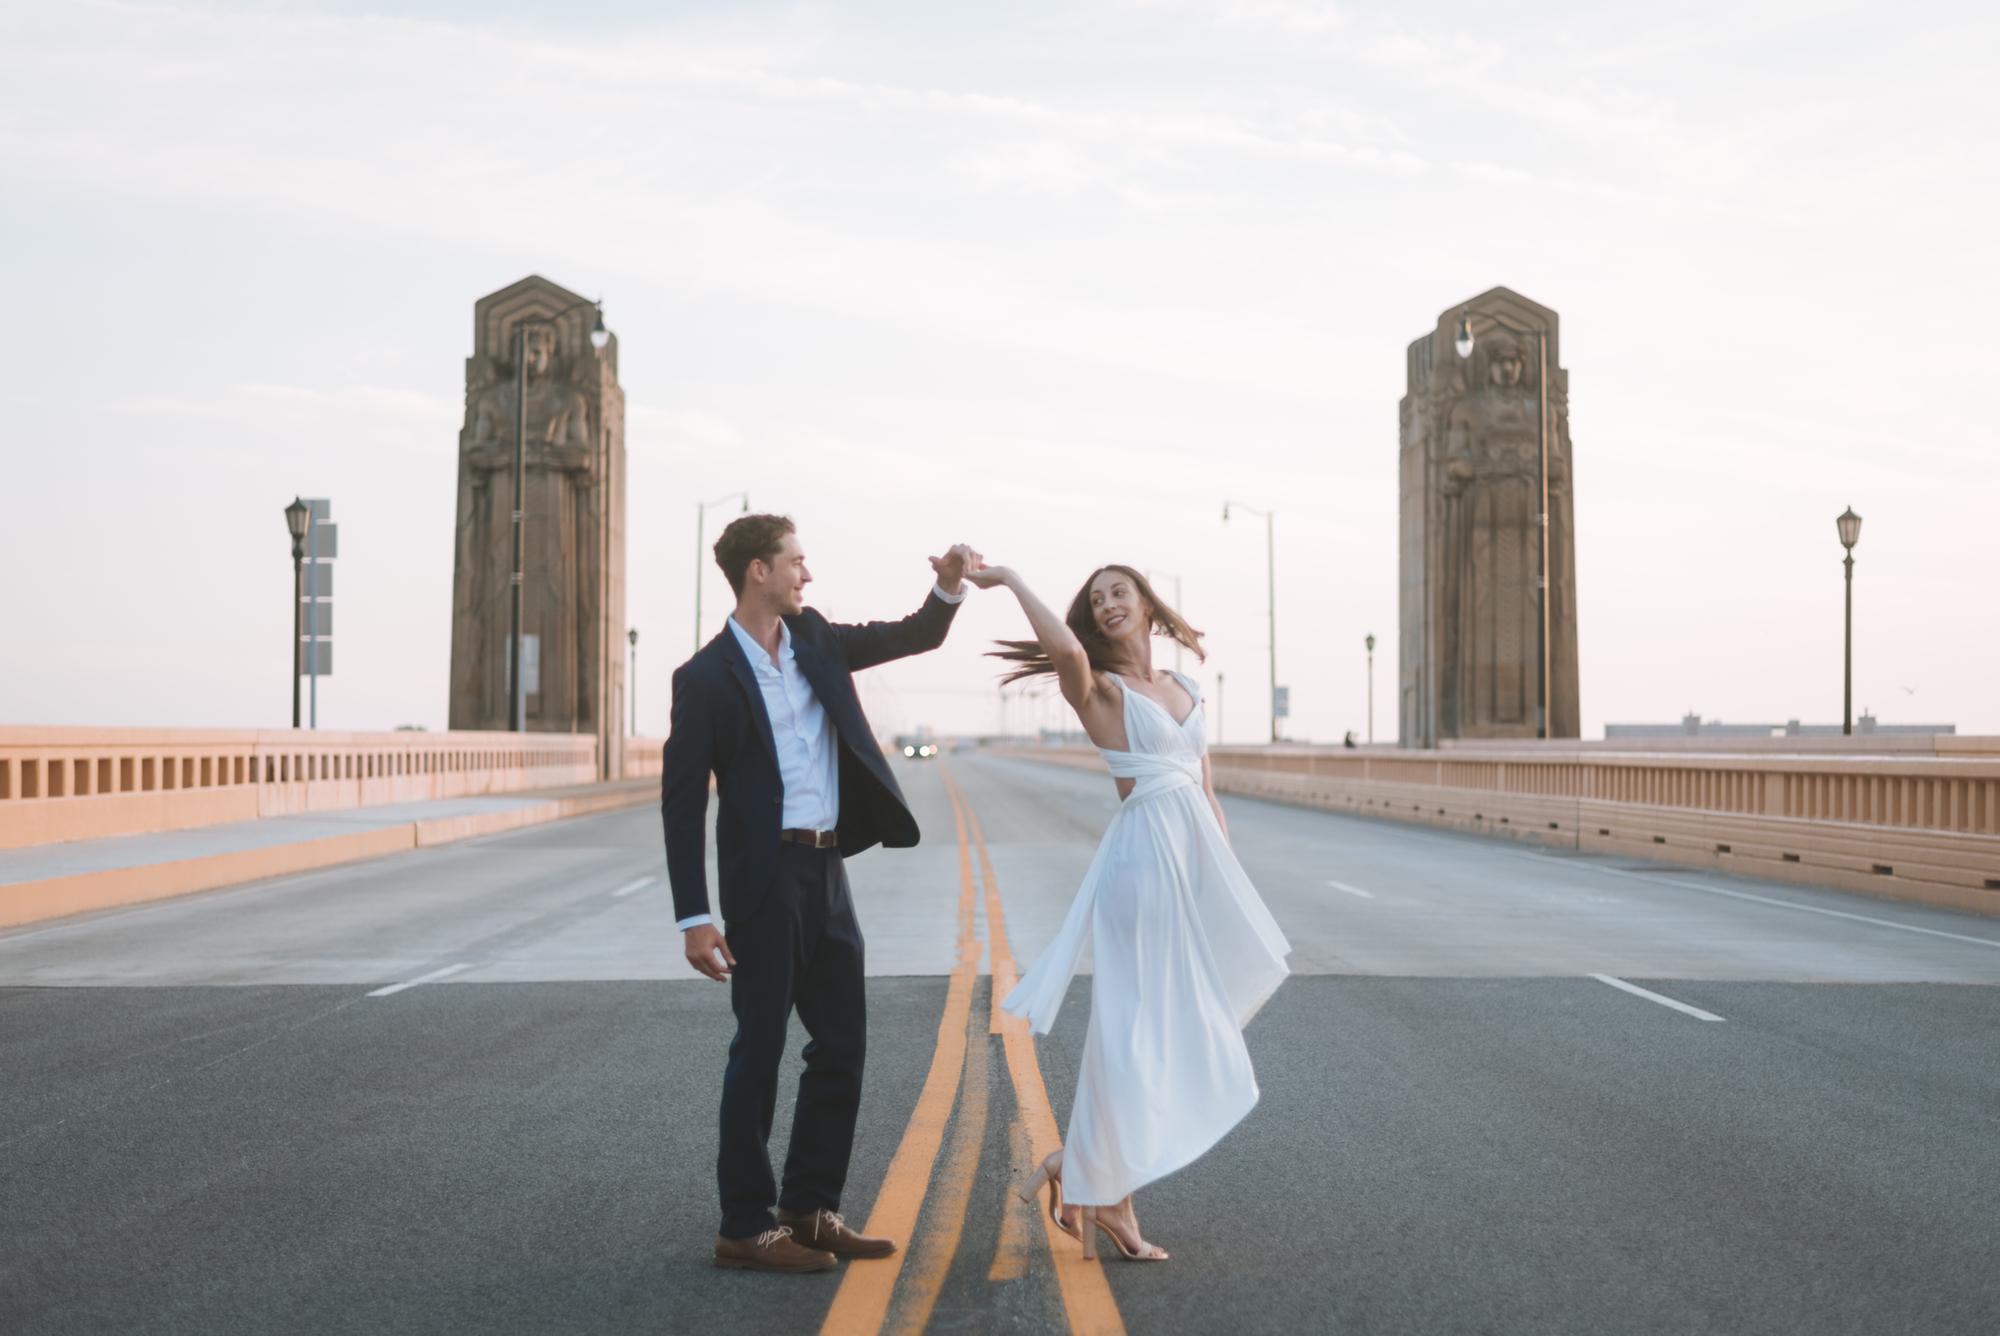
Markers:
point(1184, 954)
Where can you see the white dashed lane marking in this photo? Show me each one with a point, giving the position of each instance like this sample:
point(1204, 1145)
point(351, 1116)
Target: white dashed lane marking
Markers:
point(1652, 996)
point(432, 977)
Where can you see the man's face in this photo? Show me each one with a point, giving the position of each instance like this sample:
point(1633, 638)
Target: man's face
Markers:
point(782, 581)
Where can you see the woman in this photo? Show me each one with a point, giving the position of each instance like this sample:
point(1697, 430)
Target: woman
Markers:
point(1184, 950)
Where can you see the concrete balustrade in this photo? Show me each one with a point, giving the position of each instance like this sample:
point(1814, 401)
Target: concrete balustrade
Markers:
point(643, 757)
point(1907, 823)
point(86, 783)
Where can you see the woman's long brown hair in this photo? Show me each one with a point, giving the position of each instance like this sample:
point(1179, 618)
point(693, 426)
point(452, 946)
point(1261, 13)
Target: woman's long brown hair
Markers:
point(1030, 660)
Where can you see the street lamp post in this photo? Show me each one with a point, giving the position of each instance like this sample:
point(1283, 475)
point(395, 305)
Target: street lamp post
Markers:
point(517, 694)
point(1849, 525)
point(296, 515)
point(1544, 694)
point(1370, 642)
point(700, 514)
point(632, 675)
point(1271, 576)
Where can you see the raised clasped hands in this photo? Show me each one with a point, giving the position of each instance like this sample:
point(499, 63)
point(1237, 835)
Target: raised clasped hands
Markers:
point(988, 577)
point(955, 565)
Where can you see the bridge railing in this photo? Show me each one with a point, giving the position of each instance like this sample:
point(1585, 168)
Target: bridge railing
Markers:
point(642, 757)
point(86, 783)
point(1909, 823)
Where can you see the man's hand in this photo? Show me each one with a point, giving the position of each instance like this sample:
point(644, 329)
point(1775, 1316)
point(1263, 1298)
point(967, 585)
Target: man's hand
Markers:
point(952, 566)
point(702, 943)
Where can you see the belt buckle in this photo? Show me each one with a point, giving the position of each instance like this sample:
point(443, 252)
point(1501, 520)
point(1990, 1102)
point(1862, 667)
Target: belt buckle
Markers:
point(819, 839)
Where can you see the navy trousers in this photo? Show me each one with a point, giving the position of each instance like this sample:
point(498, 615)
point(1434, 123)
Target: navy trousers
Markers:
point(801, 949)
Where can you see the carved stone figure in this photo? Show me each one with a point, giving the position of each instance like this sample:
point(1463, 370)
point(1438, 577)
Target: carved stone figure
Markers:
point(573, 539)
point(1471, 484)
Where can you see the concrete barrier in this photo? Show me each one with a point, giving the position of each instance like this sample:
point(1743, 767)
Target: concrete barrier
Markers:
point(88, 783)
point(1919, 823)
point(643, 757)
point(52, 897)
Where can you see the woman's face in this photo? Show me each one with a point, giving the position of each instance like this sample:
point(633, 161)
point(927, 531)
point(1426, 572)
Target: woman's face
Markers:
point(1116, 608)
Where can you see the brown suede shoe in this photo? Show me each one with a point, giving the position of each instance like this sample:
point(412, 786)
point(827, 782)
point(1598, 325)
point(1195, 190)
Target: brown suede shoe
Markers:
point(825, 1229)
point(773, 1250)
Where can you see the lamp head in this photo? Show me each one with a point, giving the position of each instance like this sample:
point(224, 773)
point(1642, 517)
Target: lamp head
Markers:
point(633, 636)
point(295, 518)
point(1849, 524)
point(746, 504)
point(1225, 512)
point(1370, 642)
point(1464, 340)
point(599, 335)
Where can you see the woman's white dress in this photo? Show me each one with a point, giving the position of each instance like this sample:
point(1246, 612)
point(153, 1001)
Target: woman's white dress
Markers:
point(1184, 954)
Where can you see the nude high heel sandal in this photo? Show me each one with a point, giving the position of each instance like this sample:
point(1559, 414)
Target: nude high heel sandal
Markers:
point(1050, 1172)
point(1145, 1252)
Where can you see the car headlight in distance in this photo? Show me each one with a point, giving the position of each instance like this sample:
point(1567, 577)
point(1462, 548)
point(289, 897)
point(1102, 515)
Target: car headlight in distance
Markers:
point(909, 750)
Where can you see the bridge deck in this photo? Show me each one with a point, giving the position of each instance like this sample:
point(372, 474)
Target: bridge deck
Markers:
point(223, 1112)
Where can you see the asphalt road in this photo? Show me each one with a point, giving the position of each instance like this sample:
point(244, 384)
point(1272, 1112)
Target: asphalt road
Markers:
point(214, 1119)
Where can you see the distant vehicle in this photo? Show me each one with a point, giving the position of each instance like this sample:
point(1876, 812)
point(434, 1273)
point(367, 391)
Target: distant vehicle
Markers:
point(917, 747)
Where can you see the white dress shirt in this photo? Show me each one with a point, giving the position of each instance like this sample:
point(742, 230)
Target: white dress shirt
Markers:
point(808, 762)
point(808, 751)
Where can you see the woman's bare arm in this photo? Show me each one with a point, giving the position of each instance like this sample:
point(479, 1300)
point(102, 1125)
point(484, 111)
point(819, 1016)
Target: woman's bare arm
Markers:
point(1065, 651)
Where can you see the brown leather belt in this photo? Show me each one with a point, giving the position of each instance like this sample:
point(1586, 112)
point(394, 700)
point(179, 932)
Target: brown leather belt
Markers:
point(817, 839)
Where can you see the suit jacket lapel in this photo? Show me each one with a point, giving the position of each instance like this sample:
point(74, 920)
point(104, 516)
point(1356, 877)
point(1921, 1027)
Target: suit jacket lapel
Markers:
point(739, 668)
point(820, 676)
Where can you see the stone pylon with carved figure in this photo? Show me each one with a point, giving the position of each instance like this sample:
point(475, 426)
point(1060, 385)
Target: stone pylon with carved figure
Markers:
point(1473, 433)
point(573, 540)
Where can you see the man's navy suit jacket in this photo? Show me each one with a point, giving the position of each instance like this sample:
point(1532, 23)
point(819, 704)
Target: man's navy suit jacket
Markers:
point(720, 725)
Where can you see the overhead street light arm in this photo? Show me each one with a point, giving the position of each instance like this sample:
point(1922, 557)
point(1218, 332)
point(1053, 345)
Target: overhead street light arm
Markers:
point(701, 510)
point(1271, 576)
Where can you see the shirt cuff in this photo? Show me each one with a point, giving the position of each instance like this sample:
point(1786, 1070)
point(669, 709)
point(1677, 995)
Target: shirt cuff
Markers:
point(694, 922)
point(959, 597)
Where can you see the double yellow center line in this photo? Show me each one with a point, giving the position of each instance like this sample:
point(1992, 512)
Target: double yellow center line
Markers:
point(958, 1078)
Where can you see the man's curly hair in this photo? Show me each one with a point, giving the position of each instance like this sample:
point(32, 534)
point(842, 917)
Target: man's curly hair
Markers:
point(750, 538)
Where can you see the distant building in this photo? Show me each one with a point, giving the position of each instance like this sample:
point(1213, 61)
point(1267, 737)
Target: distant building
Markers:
point(1694, 726)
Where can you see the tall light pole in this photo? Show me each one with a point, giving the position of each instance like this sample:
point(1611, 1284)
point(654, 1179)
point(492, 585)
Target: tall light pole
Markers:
point(296, 515)
point(701, 513)
point(517, 693)
point(1544, 694)
point(1271, 576)
point(1849, 525)
point(632, 677)
point(1370, 642)
point(1168, 575)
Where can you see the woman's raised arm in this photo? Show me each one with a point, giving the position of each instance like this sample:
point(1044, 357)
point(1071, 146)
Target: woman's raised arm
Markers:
point(1065, 651)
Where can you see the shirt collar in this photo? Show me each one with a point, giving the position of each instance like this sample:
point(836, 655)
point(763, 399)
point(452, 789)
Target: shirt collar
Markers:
point(755, 652)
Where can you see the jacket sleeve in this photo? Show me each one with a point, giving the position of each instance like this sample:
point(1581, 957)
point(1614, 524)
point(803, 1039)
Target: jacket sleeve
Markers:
point(684, 771)
point(867, 644)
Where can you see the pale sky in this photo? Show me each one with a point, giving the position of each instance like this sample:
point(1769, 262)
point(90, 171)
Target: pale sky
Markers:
point(1054, 279)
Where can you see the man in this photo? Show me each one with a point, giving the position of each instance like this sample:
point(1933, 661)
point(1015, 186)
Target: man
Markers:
point(769, 707)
